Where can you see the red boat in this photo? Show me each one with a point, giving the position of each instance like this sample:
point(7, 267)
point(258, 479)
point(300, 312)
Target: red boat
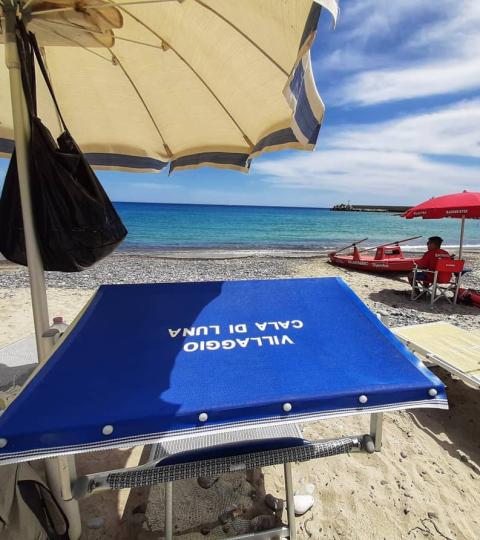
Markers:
point(469, 297)
point(387, 258)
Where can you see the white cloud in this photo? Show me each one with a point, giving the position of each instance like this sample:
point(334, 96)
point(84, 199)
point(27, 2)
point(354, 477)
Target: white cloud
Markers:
point(389, 162)
point(431, 49)
point(451, 131)
point(421, 81)
point(359, 24)
point(370, 176)
point(368, 18)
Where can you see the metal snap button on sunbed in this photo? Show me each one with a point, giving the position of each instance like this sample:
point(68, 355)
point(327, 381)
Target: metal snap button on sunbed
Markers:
point(363, 398)
point(287, 407)
point(107, 430)
point(203, 417)
point(3, 442)
point(432, 392)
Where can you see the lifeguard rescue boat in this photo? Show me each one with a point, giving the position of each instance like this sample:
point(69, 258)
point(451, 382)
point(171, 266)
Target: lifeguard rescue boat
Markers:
point(388, 258)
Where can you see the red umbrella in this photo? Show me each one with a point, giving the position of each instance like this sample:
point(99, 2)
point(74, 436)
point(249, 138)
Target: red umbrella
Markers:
point(463, 206)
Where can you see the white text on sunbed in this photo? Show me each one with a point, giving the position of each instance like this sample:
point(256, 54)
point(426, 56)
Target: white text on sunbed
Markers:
point(241, 328)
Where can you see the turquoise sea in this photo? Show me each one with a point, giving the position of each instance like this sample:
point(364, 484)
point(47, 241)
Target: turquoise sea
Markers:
point(160, 227)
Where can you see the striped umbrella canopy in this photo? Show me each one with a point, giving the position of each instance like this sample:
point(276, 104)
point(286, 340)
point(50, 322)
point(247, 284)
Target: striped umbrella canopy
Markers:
point(146, 83)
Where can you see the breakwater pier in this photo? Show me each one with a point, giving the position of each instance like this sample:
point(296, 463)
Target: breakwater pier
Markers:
point(368, 208)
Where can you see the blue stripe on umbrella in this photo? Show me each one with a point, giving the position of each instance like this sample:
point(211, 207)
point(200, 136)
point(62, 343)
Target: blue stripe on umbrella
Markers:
point(314, 136)
point(103, 159)
point(6, 146)
point(297, 80)
point(282, 136)
point(121, 160)
point(220, 158)
point(311, 24)
point(304, 117)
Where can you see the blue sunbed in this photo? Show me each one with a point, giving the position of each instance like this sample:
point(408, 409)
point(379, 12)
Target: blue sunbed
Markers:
point(162, 362)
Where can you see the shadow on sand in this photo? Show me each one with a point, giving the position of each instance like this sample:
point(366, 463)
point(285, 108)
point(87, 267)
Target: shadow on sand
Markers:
point(458, 429)
point(400, 298)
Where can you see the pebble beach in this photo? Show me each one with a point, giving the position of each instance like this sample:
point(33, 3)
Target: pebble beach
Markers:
point(424, 483)
point(387, 295)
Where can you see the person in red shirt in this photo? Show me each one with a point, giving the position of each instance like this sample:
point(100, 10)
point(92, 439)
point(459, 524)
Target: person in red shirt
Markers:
point(429, 262)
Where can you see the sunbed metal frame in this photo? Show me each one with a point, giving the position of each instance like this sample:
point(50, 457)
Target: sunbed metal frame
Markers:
point(154, 472)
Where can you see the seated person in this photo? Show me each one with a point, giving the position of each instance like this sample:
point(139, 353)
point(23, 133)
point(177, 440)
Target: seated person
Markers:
point(429, 262)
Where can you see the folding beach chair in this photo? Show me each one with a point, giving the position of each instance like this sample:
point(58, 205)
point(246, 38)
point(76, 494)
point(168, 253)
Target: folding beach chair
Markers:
point(436, 289)
point(216, 376)
point(443, 344)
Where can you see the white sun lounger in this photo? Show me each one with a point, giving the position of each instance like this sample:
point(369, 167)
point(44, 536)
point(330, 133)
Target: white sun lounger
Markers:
point(17, 361)
point(443, 344)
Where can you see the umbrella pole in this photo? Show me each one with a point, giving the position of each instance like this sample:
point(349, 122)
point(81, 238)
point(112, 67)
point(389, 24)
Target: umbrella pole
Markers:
point(462, 230)
point(59, 470)
point(22, 134)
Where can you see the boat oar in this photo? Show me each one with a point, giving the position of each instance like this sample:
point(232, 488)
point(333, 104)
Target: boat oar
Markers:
point(349, 246)
point(391, 243)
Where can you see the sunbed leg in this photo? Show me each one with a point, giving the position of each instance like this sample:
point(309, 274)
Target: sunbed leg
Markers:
point(376, 428)
point(169, 511)
point(292, 529)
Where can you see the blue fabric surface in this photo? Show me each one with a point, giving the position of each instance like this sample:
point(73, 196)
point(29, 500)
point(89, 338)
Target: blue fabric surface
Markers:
point(129, 363)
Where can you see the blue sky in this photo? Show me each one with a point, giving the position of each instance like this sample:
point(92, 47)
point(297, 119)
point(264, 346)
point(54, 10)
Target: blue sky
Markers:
point(401, 85)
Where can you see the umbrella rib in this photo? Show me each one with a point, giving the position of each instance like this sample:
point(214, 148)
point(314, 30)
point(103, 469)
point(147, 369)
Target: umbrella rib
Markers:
point(74, 26)
point(200, 78)
point(99, 33)
point(162, 47)
point(48, 30)
point(199, 2)
point(100, 6)
point(250, 40)
point(115, 60)
point(139, 95)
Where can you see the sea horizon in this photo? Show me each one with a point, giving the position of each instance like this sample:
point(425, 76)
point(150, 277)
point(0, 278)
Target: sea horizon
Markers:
point(226, 205)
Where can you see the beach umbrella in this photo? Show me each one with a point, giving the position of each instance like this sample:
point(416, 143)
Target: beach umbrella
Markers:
point(143, 84)
point(465, 205)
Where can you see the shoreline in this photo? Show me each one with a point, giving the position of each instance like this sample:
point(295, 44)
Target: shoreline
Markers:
point(274, 252)
point(227, 252)
point(124, 266)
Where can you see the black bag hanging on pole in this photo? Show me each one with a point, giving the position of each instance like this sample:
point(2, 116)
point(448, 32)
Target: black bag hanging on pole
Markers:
point(76, 224)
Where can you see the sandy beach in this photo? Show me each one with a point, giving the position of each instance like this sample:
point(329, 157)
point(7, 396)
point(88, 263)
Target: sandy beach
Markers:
point(424, 484)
